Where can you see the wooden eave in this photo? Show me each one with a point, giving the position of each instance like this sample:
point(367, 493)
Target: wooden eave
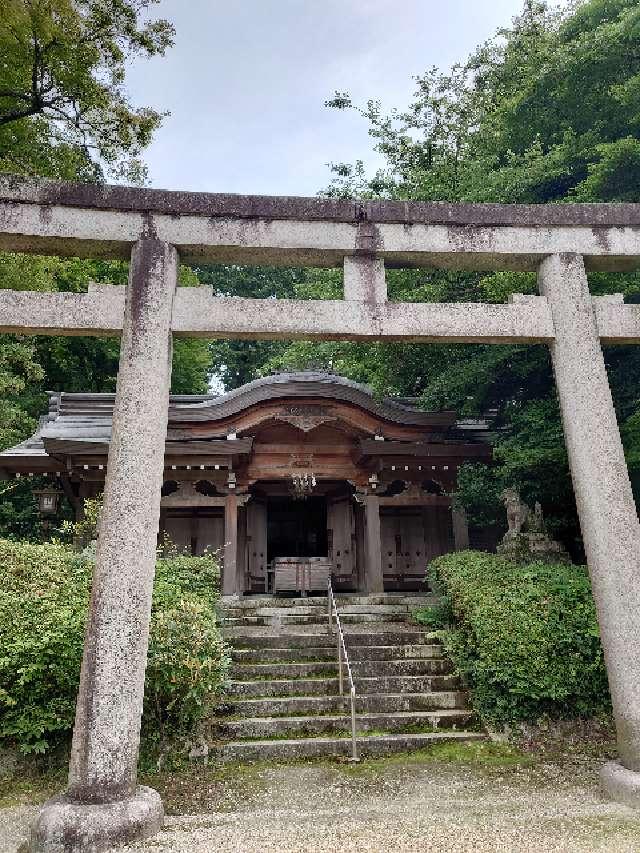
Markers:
point(29, 465)
point(398, 452)
point(298, 388)
point(210, 448)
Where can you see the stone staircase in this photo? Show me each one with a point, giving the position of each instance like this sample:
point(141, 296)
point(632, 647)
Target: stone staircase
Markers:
point(283, 696)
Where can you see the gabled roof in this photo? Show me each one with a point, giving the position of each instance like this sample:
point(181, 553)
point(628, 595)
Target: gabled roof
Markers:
point(76, 423)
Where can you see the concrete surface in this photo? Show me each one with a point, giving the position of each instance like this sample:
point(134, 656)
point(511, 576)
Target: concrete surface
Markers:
point(102, 804)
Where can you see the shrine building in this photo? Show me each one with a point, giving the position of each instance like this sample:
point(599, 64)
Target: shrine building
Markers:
point(288, 478)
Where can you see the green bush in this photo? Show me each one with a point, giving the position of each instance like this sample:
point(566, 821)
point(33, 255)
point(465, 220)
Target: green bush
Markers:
point(436, 617)
point(525, 638)
point(43, 605)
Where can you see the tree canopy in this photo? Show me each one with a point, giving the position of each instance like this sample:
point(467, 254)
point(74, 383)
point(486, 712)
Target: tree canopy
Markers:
point(63, 107)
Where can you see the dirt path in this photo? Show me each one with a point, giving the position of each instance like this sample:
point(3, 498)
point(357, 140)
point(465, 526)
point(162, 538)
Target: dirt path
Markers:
point(392, 806)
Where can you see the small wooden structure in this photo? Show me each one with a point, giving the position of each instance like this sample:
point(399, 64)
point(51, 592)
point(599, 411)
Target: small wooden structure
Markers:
point(377, 475)
point(300, 575)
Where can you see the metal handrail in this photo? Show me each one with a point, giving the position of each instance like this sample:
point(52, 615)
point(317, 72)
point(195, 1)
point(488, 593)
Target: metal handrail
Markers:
point(343, 662)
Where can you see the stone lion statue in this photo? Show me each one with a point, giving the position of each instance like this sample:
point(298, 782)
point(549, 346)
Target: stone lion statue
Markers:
point(527, 537)
point(517, 511)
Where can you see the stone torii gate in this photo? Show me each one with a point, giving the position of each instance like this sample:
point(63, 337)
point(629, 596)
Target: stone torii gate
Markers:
point(155, 229)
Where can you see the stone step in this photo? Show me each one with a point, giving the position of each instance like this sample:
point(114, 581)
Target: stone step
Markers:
point(284, 618)
point(368, 745)
point(381, 668)
point(305, 669)
point(406, 684)
point(288, 612)
point(254, 601)
point(329, 686)
point(309, 726)
point(384, 635)
point(284, 687)
point(319, 610)
point(386, 609)
point(422, 651)
point(248, 603)
point(366, 668)
point(277, 655)
point(329, 652)
point(268, 638)
point(381, 703)
point(283, 697)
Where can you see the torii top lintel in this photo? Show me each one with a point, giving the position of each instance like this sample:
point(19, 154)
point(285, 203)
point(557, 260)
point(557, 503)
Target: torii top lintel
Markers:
point(98, 220)
point(89, 220)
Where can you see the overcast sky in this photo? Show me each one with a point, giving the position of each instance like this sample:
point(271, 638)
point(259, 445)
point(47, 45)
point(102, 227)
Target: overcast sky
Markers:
point(247, 79)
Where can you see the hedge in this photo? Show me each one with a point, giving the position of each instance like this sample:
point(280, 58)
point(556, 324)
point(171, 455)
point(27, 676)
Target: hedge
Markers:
point(44, 594)
point(525, 638)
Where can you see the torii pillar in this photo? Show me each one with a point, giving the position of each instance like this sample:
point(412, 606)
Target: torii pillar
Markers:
point(103, 805)
point(608, 518)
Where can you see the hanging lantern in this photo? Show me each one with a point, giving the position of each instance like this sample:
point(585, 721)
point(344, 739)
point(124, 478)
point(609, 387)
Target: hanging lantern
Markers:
point(48, 500)
point(302, 485)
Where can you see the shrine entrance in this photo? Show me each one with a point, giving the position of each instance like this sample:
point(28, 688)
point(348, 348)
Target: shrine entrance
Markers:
point(286, 536)
point(296, 528)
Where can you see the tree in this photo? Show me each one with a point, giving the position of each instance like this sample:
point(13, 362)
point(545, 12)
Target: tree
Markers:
point(63, 106)
point(236, 362)
point(64, 113)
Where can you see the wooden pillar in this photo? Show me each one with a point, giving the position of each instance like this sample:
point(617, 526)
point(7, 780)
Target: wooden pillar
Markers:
point(373, 578)
point(77, 503)
point(460, 529)
point(431, 533)
point(83, 494)
point(193, 532)
point(229, 569)
point(361, 555)
point(162, 526)
point(241, 555)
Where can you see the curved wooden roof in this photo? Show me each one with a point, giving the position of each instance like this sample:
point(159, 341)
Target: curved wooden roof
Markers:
point(305, 385)
point(80, 424)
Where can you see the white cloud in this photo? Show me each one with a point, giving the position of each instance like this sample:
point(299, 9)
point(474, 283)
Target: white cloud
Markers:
point(247, 80)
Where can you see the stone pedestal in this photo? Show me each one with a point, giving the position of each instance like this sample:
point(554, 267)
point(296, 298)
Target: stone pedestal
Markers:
point(608, 518)
point(103, 805)
point(64, 825)
point(621, 784)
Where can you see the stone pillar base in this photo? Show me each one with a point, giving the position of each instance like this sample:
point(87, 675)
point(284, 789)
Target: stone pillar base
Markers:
point(63, 826)
point(620, 784)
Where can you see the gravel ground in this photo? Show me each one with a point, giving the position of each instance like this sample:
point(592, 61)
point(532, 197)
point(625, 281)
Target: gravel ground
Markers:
point(395, 808)
point(13, 826)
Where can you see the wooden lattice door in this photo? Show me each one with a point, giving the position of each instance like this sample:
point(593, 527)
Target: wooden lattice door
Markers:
point(256, 545)
point(341, 536)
